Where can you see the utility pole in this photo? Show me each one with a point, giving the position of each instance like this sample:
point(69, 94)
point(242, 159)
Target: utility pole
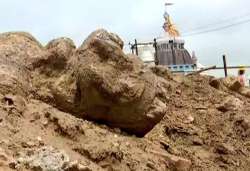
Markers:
point(225, 65)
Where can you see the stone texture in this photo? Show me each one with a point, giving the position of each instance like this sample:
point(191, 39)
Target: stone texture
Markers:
point(215, 83)
point(97, 81)
point(45, 159)
point(225, 149)
point(59, 52)
point(116, 89)
point(230, 104)
point(18, 51)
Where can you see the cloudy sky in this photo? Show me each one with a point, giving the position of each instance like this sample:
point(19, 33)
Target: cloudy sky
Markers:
point(142, 19)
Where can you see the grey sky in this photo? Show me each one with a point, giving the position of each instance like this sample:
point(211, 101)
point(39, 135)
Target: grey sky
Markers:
point(142, 19)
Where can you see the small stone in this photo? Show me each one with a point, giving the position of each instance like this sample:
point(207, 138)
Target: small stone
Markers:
point(225, 149)
point(76, 166)
point(245, 124)
point(40, 140)
point(13, 164)
point(45, 123)
point(151, 165)
point(14, 130)
point(200, 107)
point(175, 162)
point(21, 160)
point(189, 120)
point(47, 115)
point(117, 130)
point(173, 150)
point(3, 156)
point(28, 144)
point(4, 141)
point(127, 144)
point(215, 83)
point(180, 164)
point(72, 166)
point(116, 144)
point(230, 104)
point(36, 116)
point(83, 168)
point(235, 86)
point(245, 91)
point(202, 112)
point(183, 165)
point(197, 141)
point(178, 92)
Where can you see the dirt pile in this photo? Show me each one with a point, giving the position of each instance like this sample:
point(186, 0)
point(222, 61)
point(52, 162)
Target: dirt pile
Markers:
point(99, 82)
point(48, 93)
point(206, 125)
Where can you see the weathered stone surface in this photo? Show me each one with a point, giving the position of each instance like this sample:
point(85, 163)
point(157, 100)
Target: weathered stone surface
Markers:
point(232, 83)
point(59, 52)
point(45, 159)
point(14, 78)
point(96, 82)
point(230, 104)
point(225, 149)
point(5, 159)
point(175, 162)
point(114, 88)
point(215, 83)
point(49, 75)
point(18, 102)
point(76, 166)
point(62, 47)
point(162, 72)
point(18, 51)
point(243, 125)
point(55, 59)
point(111, 38)
point(245, 91)
point(235, 86)
point(64, 92)
point(20, 48)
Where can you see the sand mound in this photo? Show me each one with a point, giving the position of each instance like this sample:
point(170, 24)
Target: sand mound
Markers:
point(74, 109)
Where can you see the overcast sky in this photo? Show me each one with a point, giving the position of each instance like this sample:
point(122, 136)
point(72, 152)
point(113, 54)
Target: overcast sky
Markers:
point(142, 19)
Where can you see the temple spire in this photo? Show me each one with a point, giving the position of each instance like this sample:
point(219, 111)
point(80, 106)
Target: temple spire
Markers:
point(169, 26)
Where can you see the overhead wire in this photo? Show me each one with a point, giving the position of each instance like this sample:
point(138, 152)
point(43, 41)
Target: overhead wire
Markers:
point(219, 22)
point(217, 28)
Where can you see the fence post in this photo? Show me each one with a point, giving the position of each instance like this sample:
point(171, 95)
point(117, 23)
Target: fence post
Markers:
point(136, 47)
point(225, 65)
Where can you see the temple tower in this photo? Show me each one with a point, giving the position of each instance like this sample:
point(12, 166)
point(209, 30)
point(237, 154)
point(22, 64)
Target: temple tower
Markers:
point(170, 47)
